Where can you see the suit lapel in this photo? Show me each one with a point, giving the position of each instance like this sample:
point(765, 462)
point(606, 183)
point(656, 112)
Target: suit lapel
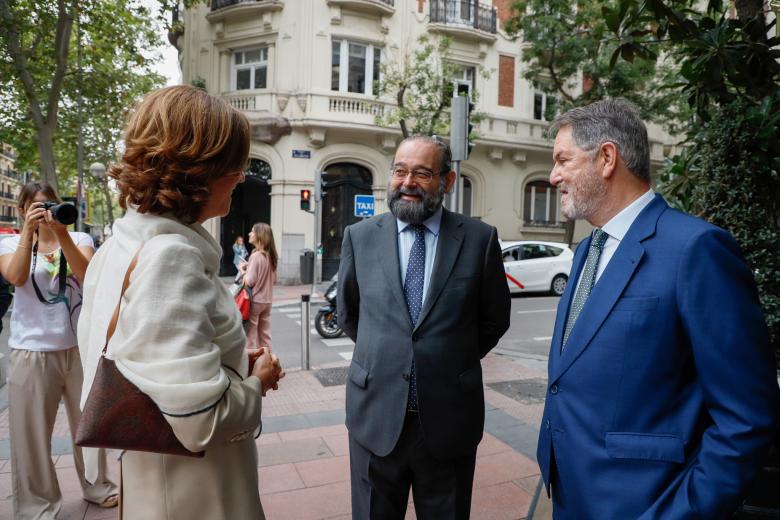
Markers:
point(563, 305)
point(447, 251)
point(610, 285)
point(387, 256)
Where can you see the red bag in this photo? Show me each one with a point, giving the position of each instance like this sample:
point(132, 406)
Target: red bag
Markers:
point(244, 301)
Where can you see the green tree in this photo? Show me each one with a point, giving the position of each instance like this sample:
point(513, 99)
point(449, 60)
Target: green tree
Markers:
point(421, 82)
point(567, 53)
point(729, 171)
point(40, 80)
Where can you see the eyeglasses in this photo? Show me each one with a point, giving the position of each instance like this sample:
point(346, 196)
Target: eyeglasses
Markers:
point(419, 176)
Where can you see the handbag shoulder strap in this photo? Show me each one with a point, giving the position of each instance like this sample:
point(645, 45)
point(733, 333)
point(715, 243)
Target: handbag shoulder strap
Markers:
point(115, 316)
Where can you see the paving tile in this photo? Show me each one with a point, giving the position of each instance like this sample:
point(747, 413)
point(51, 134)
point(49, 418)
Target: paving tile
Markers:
point(324, 471)
point(99, 513)
point(73, 507)
point(500, 502)
point(294, 451)
point(338, 444)
point(284, 423)
point(6, 486)
point(503, 467)
point(489, 445)
point(64, 461)
point(327, 417)
point(316, 503)
point(6, 509)
point(282, 477)
point(268, 438)
point(529, 484)
point(3, 464)
point(521, 438)
point(321, 431)
point(68, 480)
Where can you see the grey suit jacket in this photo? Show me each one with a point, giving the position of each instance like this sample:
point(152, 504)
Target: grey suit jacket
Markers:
point(464, 314)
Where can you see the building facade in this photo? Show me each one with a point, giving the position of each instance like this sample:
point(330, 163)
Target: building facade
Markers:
point(303, 72)
point(10, 184)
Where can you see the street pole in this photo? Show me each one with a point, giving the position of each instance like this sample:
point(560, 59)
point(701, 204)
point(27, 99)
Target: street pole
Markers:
point(456, 191)
point(318, 196)
point(305, 333)
point(80, 146)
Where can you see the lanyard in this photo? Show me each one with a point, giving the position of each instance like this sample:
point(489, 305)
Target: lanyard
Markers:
point(62, 276)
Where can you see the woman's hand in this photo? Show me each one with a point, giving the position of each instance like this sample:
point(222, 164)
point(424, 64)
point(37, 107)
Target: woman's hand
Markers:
point(34, 217)
point(265, 366)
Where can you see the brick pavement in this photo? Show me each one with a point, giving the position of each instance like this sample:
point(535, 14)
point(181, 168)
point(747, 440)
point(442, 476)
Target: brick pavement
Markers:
point(303, 454)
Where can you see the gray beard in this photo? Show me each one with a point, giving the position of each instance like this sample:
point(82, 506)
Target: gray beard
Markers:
point(414, 212)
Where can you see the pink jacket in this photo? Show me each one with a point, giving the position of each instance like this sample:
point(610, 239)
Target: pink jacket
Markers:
point(261, 277)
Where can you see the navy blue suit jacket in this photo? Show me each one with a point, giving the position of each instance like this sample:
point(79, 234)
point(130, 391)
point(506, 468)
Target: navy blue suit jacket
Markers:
point(665, 397)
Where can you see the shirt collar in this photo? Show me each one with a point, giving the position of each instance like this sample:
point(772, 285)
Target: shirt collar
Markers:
point(432, 224)
point(617, 227)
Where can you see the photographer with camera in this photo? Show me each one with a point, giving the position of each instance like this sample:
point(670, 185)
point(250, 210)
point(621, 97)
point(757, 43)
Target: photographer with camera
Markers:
point(46, 263)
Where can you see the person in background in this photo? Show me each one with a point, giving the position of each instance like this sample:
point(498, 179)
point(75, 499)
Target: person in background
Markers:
point(260, 276)
point(5, 299)
point(179, 337)
point(44, 364)
point(239, 251)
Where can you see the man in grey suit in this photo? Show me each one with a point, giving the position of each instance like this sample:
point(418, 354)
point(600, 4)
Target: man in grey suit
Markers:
point(422, 292)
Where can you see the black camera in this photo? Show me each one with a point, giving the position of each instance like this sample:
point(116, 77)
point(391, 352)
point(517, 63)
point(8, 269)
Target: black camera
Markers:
point(63, 212)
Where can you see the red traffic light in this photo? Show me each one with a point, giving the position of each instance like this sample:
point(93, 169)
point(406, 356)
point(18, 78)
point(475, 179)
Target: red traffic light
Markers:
point(305, 200)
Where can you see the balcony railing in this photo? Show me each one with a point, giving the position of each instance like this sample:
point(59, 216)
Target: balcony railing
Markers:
point(355, 106)
point(464, 13)
point(219, 4)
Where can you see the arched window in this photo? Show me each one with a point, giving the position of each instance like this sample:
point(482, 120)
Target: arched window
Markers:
point(541, 204)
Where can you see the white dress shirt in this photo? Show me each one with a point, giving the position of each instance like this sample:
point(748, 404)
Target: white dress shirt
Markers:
point(616, 228)
point(406, 239)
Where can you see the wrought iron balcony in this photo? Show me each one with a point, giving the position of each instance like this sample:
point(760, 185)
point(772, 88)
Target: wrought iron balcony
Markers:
point(464, 13)
point(220, 4)
point(232, 10)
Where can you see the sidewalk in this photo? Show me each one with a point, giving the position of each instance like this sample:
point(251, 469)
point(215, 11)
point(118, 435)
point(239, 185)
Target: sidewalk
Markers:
point(303, 453)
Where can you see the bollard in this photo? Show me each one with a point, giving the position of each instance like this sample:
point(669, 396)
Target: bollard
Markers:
point(305, 326)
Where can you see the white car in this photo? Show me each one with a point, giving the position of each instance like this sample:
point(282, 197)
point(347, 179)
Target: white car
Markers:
point(536, 266)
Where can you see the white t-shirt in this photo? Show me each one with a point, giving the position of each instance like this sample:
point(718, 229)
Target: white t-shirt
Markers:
point(36, 325)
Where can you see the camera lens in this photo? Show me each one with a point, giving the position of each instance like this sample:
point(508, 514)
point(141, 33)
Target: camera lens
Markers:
point(64, 213)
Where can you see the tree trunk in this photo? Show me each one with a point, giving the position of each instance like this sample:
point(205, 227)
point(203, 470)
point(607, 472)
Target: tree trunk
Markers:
point(45, 138)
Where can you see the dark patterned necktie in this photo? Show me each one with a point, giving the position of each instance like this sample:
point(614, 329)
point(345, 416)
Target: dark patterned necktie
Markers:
point(413, 292)
point(586, 282)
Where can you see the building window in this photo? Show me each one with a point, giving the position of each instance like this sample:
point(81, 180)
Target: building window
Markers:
point(463, 81)
point(355, 67)
point(545, 106)
point(250, 69)
point(541, 204)
point(466, 198)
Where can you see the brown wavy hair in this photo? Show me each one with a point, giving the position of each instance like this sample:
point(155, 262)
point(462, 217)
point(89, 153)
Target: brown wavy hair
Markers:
point(178, 140)
point(265, 242)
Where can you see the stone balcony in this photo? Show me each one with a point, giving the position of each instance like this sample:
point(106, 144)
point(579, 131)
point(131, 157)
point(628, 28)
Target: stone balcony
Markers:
point(378, 7)
point(229, 10)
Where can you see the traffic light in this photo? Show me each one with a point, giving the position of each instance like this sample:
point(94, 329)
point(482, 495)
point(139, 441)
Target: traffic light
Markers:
point(306, 200)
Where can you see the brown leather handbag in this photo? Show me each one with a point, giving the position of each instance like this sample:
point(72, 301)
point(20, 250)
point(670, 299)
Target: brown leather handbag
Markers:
point(117, 414)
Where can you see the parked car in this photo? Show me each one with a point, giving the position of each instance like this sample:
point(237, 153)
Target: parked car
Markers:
point(535, 266)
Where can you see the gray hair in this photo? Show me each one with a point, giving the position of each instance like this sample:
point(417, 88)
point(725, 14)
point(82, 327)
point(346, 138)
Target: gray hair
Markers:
point(445, 154)
point(611, 120)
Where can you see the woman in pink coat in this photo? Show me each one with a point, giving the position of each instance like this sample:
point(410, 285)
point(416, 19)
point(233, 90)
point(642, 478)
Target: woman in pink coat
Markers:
point(260, 276)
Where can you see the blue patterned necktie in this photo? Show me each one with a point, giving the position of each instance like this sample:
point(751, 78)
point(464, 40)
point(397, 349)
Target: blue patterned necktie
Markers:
point(413, 292)
point(587, 281)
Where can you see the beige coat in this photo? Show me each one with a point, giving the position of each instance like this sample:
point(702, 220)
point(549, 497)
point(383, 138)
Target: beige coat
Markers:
point(179, 339)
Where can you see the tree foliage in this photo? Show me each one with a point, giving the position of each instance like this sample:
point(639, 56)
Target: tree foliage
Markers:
point(41, 81)
point(729, 171)
point(421, 82)
point(567, 49)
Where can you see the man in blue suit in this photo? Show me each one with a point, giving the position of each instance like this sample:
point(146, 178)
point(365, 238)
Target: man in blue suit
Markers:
point(662, 392)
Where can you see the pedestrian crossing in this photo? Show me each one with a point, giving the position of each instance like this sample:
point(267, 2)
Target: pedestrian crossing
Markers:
point(293, 312)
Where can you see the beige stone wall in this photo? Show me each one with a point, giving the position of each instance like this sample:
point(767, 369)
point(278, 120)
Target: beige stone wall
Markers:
point(511, 151)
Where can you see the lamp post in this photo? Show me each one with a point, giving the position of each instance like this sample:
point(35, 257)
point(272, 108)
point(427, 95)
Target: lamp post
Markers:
point(98, 171)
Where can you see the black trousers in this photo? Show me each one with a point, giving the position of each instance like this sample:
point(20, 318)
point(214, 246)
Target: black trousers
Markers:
point(380, 485)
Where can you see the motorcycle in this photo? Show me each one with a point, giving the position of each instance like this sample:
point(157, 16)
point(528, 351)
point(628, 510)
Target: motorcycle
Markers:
point(326, 321)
